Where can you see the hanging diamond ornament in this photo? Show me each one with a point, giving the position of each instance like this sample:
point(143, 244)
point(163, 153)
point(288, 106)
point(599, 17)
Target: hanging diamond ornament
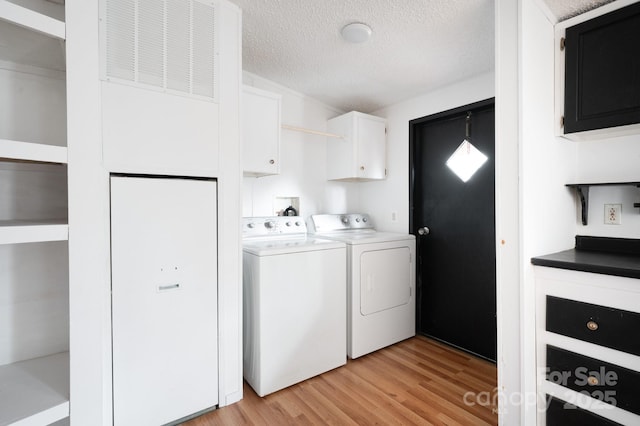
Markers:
point(466, 159)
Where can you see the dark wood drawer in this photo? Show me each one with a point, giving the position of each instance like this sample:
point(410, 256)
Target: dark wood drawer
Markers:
point(604, 381)
point(604, 326)
point(560, 413)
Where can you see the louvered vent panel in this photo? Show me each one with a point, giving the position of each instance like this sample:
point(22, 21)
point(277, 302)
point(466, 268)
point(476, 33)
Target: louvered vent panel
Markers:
point(150, 42)
point(120, 40)
point(204, 48)
point(178, 49)
point(167, 44)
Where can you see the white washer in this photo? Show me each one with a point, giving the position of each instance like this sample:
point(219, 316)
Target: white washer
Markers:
point(381, 307)
point(294, 303)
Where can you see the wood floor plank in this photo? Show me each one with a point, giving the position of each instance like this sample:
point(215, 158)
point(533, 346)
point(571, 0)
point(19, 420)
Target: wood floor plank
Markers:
point(418, 381)
point(295, 405)
point(465, 415)
point(346, 403)
point(449, 378)
point(322, 406)
point(383, 401)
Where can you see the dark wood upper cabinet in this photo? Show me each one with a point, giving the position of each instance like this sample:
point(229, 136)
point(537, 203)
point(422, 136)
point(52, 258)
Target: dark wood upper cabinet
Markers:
point(602, 71)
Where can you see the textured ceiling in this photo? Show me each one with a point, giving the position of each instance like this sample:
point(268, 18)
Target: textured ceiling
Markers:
point(416, 46)
point(565, 9)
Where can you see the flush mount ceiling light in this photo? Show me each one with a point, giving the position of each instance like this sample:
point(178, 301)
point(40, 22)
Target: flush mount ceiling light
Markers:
point(356, 32)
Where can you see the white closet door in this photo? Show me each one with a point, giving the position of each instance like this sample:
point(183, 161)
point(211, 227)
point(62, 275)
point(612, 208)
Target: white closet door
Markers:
point(164, 298)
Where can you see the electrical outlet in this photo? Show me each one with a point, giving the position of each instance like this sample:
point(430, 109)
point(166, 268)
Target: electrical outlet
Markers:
point(612, 214)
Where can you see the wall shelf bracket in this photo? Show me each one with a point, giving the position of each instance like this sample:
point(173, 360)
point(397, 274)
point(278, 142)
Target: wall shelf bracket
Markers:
point(583, 194)
point(582, 189)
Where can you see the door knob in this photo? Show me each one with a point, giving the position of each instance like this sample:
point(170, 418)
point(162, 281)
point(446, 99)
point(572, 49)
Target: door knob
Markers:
point(423, 231)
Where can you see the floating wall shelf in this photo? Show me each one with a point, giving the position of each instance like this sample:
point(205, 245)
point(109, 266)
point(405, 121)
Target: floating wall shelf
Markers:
point(582, 189)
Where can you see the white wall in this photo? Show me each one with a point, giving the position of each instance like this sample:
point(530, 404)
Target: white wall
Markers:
point(32, 104)
point(302, 161)
point(382, 198)
point(547, 163)
point(610, 160)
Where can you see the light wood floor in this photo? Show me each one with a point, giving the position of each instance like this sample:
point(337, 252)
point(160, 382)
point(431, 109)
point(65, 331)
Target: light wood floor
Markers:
point(417, 381)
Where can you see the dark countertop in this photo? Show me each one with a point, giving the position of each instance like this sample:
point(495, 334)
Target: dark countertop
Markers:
point(610, 256)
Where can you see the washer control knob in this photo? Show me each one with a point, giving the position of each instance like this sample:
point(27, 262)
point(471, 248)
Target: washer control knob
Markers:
point(251, 225)
point(270, 224)
point(358, 219)
point(345, 219)
point(298, 223)
point(364, 219)
point(288, 223)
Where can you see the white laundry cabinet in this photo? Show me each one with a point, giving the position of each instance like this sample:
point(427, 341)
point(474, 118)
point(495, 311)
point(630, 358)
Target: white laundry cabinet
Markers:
point(164, 298)
point(260, 132)
point(359, 154)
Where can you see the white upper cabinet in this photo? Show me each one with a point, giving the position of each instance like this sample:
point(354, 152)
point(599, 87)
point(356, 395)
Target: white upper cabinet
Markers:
point(360, 153)
point(260, 132)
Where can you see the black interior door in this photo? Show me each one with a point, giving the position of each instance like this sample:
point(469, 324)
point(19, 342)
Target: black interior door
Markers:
point(455, 277)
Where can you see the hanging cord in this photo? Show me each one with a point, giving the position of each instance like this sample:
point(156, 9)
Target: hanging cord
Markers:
point(468, 132)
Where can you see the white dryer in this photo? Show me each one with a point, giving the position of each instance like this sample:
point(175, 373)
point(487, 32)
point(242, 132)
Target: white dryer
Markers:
point(381, 305)
point(294, 303)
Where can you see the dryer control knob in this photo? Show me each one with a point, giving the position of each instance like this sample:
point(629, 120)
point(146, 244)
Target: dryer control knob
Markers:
point(297, 223)
point(364, 219)
point(269, 224)
point(358, 219)
point(345, 219)
point(251, 225)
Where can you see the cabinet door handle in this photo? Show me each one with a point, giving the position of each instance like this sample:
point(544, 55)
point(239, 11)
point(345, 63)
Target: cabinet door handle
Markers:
point(168, 287)
point(272, 161)
point(592, 325)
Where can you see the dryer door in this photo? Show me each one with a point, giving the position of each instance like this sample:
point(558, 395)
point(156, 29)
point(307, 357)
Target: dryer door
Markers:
point(385, 279)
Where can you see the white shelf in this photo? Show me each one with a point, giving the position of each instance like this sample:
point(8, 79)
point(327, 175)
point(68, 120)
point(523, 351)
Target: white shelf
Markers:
point(32, 20)
point(36, 391)
point(15, 232)
point(26, 151)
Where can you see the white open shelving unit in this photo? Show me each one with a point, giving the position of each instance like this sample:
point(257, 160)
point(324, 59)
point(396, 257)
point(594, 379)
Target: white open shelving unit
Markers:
point(35, 391)
point(34, 387)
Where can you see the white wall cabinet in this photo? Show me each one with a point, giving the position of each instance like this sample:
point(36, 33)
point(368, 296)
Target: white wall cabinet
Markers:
point(34, 289)
point(260, 132)
point(360, 153)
